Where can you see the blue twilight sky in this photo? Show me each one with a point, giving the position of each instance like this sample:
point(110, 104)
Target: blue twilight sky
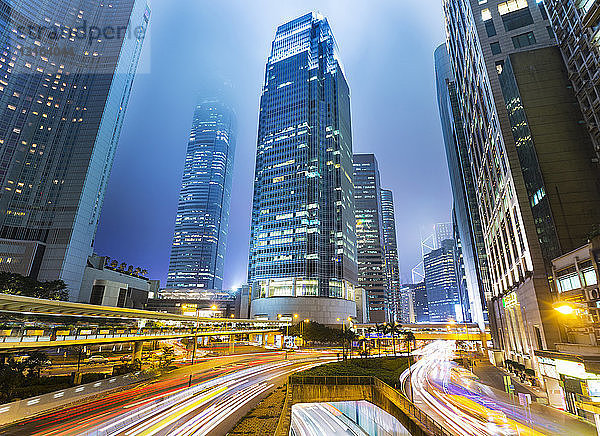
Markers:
point(387, 50)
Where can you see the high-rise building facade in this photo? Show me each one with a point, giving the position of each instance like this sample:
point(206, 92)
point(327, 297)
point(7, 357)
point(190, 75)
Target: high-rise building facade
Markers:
point(420, 301)
point(63, 95)
point(406, 305)
point(441, 283)
point(469, 235)
point(575, 25)
point(303, 242)
point(464, 310)
point(391, 255)
point(199, 242)
point(527, 180)
point(372, 270)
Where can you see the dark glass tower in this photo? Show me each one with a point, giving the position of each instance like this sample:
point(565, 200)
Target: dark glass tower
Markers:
point(303, 243)
point(372, 275)
point(199, 243)
point(391, 255)
point(66, 72)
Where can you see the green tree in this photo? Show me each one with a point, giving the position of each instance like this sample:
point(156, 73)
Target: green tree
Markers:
point(167, 357)
point(35, 362)
point(16, 284)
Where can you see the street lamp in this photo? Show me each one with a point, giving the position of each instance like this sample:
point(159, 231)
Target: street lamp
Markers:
point(565, 309)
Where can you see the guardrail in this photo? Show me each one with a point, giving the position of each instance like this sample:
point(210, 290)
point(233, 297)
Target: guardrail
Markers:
point(426, 423)
point(409, 408)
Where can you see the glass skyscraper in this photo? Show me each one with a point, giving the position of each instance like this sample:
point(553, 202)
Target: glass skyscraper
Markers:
point(66, 72)
point(466, 211)
point(391, 255)
point(372, 273)
point(303, 242)
point(199, 242)
point(441, 283)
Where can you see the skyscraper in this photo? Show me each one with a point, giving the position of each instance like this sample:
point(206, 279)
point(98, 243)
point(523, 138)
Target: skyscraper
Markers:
point(391, 255)
point(441, 282)
point(466, 212)
point(372, 272)
point(64, 90)
point(575, 25)
point(199, 242)
point(303, 242)
point(406, 304)
point(420, 301)
point(528, 159)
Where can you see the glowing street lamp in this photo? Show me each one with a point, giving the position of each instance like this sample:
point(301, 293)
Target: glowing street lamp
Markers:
point(565, 309)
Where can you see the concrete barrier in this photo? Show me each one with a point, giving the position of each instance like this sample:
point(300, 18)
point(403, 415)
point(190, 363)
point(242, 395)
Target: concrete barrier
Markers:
point(312, 389)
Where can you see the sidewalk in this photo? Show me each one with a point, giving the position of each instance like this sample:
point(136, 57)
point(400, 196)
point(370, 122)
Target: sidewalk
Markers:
point(494, 377)
point(543, 418)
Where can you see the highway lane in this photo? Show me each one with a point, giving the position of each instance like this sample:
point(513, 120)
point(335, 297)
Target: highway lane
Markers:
point(89, 415)
point(206, 409)
point(454, 397)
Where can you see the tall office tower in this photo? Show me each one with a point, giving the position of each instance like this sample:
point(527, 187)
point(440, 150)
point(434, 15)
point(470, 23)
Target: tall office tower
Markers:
point(391, 254)
point(441, 232)
point(441, 283)
point(466, 213)
point(463, 310)
point(420, 301)
point(64, 90)
point(575, 25)
point(406, 305)
point(199, 242)
point(370, 234)
point(303, 241)
point(528, 182)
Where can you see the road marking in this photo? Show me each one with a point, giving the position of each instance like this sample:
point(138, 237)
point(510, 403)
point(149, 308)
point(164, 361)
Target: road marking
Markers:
point(162, 424)
point(59, 394)
point(32, 402)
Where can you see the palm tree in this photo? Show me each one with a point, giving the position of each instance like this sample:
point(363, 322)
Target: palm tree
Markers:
point(395, 330)
point(390, 328)
point(371, 330)
point(381, 329)
point(408, 338)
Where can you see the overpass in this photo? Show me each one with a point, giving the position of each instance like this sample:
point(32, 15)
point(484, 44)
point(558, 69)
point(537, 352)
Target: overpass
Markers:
point(33, 323)
point(430, 332)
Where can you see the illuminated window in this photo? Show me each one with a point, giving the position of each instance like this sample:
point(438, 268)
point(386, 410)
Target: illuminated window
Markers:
point(511, 6)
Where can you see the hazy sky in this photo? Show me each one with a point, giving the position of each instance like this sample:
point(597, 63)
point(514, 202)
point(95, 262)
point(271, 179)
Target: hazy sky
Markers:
point(387, 50)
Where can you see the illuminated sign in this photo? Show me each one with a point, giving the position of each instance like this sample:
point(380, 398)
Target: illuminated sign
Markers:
point(510, 300)
point(573, 369)
point(593, 387)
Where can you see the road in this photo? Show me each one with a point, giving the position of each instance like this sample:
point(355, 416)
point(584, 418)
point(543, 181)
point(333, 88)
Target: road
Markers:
point(454, 396)
point(219, 395)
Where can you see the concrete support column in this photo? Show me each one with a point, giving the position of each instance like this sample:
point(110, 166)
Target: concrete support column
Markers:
point(136, 353)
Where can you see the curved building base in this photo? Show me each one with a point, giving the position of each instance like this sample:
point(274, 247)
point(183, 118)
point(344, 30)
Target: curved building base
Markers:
point(323, 310)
